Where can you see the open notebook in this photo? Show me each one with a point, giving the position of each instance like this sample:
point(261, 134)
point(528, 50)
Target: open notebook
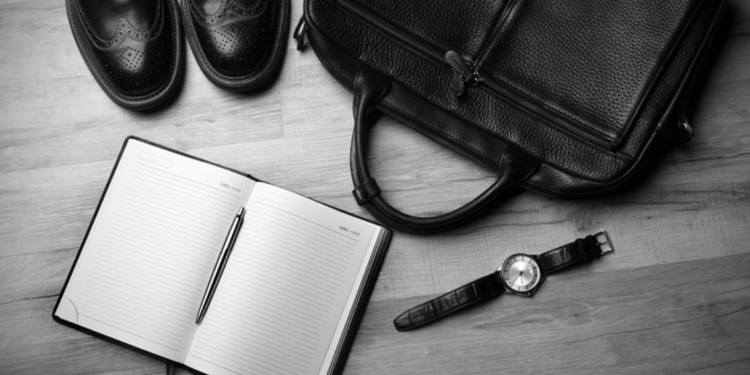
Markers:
point(288, 302)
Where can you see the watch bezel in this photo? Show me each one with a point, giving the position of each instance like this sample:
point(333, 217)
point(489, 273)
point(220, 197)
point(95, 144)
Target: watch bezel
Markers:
point(533, 289)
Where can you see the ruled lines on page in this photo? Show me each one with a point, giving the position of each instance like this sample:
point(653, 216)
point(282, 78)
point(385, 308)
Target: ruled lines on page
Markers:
point(285, 288)
point(149, 259)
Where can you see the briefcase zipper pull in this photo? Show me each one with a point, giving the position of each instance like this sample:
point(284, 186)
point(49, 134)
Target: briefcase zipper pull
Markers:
point(463, 73)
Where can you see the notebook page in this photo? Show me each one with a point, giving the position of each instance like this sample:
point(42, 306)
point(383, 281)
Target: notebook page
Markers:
point(286, 289)
point(144, 267)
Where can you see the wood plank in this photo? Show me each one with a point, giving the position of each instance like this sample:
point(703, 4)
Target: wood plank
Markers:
point(686, 318)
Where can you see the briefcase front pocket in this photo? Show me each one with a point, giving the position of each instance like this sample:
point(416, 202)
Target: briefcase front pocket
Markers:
point(587, 67)
point(585, 72)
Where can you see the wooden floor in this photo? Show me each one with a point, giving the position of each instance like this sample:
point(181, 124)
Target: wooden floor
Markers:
point(674, 298)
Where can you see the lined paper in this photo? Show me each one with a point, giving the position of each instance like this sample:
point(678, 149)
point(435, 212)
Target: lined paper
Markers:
point(286, 294)
point(145, 265)
point(285, 289)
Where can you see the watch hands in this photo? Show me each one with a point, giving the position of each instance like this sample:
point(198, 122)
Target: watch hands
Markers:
point(514, 280)
point(520, 276)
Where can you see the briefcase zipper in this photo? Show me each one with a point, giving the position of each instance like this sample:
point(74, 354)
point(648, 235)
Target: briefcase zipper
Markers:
point(467, 74)
point(394, 32)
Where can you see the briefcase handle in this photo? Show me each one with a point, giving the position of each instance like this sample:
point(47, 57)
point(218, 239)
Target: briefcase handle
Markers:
point(369, 88)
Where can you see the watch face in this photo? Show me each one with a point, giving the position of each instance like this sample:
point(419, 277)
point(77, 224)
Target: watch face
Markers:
point(521, 273)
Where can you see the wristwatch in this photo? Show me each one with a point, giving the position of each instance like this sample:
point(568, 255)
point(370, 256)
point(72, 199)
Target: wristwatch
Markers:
point(520, 274)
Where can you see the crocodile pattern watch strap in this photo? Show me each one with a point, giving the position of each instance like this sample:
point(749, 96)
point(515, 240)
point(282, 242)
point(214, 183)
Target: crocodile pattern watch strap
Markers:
point(579, 251)
point(430, 311)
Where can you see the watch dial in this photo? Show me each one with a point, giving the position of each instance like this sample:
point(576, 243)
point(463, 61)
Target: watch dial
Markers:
point(520, 273)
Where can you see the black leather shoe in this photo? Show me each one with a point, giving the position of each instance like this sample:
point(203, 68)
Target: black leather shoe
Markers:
point(239, 44)
point(134, 48)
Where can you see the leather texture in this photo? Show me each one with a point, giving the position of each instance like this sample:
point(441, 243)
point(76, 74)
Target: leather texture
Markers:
point(238, 44)
point(134, 49)
point(580, 251)
point(476, 291)
point(589, 89)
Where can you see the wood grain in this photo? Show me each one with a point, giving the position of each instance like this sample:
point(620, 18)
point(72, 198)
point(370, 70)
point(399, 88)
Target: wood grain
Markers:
point(672, 299)
point(649, 320)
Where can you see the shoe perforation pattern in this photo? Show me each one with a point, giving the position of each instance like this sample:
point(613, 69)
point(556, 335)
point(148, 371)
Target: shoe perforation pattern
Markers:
point(137, 69)
point(236, 48)
point(134, 74)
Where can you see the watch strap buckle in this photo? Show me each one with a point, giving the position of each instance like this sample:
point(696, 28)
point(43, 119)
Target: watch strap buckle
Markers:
point(604, 242)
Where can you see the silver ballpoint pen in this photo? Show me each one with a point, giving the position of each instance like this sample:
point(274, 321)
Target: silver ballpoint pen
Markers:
point(221, 262)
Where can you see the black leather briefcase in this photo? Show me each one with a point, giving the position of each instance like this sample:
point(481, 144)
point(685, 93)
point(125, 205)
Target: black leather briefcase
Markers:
point(566, 98)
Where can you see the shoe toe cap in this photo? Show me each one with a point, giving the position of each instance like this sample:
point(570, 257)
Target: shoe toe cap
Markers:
point(136, 69)
point(238, 44)
point(238, 48)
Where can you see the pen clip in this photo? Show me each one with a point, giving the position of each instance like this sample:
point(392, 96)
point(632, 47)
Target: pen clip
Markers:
point(221, 262)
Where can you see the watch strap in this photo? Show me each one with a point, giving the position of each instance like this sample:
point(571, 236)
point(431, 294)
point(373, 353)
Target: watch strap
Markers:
point(478, 290)
point(579, 251)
